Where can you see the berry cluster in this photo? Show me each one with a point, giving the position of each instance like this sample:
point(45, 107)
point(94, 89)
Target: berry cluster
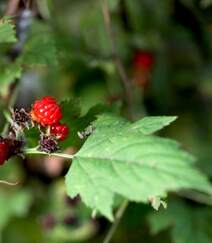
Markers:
point(46, 114)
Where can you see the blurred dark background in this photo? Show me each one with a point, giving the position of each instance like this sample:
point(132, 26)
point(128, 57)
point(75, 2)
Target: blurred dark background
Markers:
point(166, 49)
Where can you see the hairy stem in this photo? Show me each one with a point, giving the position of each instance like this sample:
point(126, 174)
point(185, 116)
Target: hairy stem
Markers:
point(35, 151)
point(118, 217)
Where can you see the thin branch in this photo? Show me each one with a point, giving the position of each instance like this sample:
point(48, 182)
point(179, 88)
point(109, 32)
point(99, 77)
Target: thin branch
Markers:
point(11, 103)
point(118, 218)
point(35, 151)
point(197, 197)
point(127, 84)
point(12, 7)
point(8, 183)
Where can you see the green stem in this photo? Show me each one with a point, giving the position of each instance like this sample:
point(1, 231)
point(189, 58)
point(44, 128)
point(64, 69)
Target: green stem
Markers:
point(115, 224)
point(35, 151)
point(8, 183)
point(10, 104)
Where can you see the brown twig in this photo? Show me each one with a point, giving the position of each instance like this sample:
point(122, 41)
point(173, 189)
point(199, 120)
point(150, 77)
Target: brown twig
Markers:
point(127, 84)
point(12, 7)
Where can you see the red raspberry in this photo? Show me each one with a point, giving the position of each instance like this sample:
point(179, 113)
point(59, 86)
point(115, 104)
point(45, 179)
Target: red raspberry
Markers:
point(4, 151)
point(143, 60)
point(60, 131)
point(46, 111)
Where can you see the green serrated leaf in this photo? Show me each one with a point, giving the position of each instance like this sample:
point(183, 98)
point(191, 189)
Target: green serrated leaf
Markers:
point(40, 48)
point(7, 31)
point(119, 159)
point(149, 125)
point(187, 225)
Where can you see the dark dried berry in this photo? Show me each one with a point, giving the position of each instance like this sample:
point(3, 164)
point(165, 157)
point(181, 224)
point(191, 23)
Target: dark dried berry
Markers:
point(11, 146)
point(48, 144)
point(21, 117)
point(15, 146)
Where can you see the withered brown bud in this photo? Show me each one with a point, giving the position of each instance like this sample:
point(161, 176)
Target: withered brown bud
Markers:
point(21, 117)
point(48, 144)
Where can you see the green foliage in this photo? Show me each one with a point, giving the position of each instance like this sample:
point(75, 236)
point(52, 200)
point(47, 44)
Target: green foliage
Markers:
point(7, 77)
point(7, 31)
point(77, 122)
point(149, 125)
point(13, 204)
point(118, 158)
point(32, 136)
point(40, 48)
point(187, 225)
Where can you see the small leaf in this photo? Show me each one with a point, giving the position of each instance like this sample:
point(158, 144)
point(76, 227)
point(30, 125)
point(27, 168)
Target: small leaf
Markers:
point(7, 31)
point(40, 48)
point(7, 77)
point(119, 159)
point(32, 136)
point(149, 125)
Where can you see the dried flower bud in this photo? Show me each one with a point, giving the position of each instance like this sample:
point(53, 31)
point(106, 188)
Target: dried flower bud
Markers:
point(48, 144)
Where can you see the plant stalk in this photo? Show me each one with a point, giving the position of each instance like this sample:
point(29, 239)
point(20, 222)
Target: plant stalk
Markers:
point(118, 217)
point(35, 151)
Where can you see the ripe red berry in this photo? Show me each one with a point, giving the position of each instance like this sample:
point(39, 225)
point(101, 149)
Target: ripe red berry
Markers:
point(143, 60)
point(46, 111)
point(60, 131)
point(4, 151)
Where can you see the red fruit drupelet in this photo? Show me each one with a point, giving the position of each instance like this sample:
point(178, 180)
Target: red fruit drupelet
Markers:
point(4, 151)
point(61, 131)
point(46, 111)
point(143, 60)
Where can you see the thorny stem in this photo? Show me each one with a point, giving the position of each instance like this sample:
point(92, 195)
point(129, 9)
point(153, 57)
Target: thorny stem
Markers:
point(35, 151)
point(118, 217)
point(127, 84)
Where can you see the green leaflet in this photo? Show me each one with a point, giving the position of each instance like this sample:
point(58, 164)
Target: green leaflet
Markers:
point(7, 31)
point(119, 158)
point(8, 76)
